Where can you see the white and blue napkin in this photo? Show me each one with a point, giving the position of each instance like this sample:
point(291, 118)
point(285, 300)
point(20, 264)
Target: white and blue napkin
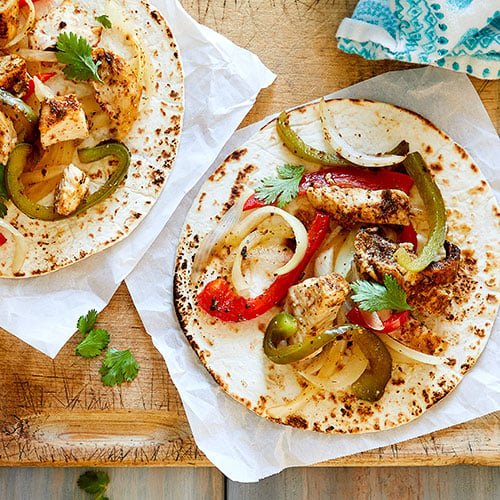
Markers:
point(461, 35)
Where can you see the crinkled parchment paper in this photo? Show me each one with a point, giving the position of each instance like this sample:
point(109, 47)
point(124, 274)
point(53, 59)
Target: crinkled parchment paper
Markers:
point(246, 447)
point(221, 84)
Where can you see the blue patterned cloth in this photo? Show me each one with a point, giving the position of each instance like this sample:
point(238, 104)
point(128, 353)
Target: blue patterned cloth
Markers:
point(462, 35)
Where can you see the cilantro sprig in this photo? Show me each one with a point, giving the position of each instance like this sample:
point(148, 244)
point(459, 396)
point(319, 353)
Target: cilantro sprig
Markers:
point(105, 21)
point(118, 367)
point(87, 322)
point(93, 344)
point(4, 195)
point(95, 483)
point(375, 297)
point(76, 53)
point(281, 189)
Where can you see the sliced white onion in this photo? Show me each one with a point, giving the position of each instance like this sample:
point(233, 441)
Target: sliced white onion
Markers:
point(410, 353)
point(28, 24)
point(345, 255)
point(42, 91)
point(239, 282)
point(213, 239)
point(294, 405)
point(31, 55)
point(354, 368)
point(344, 149)
point(252, 221)
point(332, 358)
point(323, 264)
point(21, 246)
point(372, 320)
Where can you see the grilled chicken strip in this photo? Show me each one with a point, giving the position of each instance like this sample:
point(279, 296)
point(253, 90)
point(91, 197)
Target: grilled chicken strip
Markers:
point(426, 290)
point(119, 94)
point(315, 302)
point(415, 335)
point(8, 138)
point(13, 74)
point(354, 205)
point(68, 17)
point(9, 14)
point(71, 190)
point(62, 119)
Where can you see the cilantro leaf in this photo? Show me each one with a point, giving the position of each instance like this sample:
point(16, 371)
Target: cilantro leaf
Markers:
point(281, 189)
point(118, 366)
point(86, 323)
point(375, 297)
point(94, 482)
point(105, 21)
point(92, 345)
point(76, 53)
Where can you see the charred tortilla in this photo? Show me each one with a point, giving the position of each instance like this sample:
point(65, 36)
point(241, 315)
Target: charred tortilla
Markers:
point(152, 137)
point(233, 353)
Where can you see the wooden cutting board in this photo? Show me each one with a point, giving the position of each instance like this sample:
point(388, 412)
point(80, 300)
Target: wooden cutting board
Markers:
point(58, 412)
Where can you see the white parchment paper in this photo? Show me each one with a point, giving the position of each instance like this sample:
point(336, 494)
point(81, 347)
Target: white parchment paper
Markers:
point(246, 447)
point(221, 84)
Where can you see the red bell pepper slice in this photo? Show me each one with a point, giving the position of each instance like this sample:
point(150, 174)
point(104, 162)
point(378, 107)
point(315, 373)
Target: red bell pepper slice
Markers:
point(3, 240)
point(395, 321)
point(219, 299)
point(373, 179)
point(408, 235)
point(43, 77)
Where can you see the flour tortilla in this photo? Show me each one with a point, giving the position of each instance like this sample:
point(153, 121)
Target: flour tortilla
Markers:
point(153, 143)
point(233, 353)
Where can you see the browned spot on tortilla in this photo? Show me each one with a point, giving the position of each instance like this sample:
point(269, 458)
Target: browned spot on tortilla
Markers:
point(436, 167)
point(451, 362)
point(200, 201)
point(474, 168)
point(461, 151)
point(397, 381)
point(428, 149)
point(491, 299)
point(478, 332)
point(469, 363)
point(296, 421)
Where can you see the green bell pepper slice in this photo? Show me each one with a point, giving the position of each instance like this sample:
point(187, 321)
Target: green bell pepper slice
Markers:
point(299, 148)
point(20, 156)
point(436, 213)
point(283, 326)
point(19, 105)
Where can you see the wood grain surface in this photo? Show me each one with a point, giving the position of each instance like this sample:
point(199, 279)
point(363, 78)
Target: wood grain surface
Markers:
point(58, 413)
point(460, 482)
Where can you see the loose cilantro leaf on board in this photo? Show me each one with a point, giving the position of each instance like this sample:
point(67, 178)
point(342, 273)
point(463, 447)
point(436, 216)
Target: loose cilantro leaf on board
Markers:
point(281, 189)
point(105, 21)
point(118, 367)
point(94, 482)
point(87, 322)
point(375, 297)
point(76, 53)
point(93, 344)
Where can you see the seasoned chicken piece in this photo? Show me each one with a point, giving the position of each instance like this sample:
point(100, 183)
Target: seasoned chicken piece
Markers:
point(71, 190)
point(315, 302)
point(9, 14)
point(119, 94)
point(8, 138)
point(68, 17)
point(354, 205)
point(415, 335)
point(13, 74)
point(62, 119)
point(426, 290)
